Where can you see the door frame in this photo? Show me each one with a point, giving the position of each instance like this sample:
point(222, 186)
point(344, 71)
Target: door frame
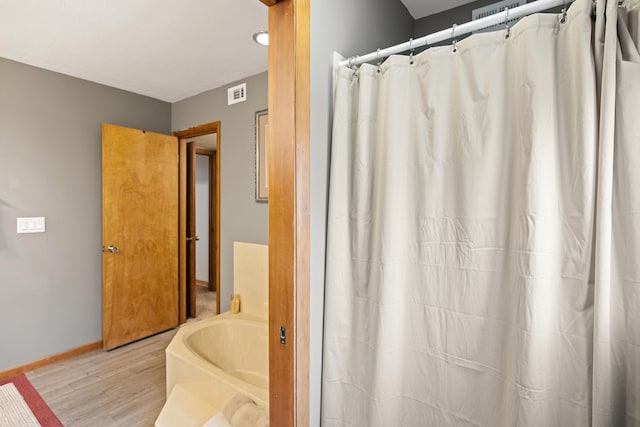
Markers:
point(191, 231)
point(289, 210)
point(183, 135)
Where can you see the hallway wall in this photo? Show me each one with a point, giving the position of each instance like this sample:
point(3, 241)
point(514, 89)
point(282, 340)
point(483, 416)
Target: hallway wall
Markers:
point(241, 217)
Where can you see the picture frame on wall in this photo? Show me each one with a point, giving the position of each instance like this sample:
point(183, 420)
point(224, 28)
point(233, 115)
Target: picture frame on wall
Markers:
point(262, 175)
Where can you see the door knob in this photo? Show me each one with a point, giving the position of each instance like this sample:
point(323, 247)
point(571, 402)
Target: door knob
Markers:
point(113, 249)
point(194, 238)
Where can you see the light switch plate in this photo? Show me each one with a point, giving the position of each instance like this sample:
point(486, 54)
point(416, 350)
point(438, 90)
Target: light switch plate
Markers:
point(31, 225)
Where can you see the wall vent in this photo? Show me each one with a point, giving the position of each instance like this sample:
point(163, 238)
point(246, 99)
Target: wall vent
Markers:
point(492, 9)
point(237, 94)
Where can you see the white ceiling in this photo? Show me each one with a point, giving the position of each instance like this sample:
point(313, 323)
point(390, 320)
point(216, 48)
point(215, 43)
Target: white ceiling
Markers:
point(208, 142)
point(422, 8)
point(165, 49)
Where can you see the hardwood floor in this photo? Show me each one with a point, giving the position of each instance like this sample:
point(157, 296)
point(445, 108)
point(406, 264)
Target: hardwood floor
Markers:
point(122, 387)
point(205, 303)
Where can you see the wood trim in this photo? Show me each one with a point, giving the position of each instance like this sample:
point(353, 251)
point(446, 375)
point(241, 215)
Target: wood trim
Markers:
point(289, 213)
point(281, 208)
point(49, 360)
point(192, 132)
point(216, 219)
point(191, 228)
point(302, 210)
point(202, 283)
point(269, 2)
point(183, 135)
point(212, 226)
point(182, 232)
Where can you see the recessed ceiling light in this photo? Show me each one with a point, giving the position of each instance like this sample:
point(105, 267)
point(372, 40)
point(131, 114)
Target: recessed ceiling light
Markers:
point(261, 37)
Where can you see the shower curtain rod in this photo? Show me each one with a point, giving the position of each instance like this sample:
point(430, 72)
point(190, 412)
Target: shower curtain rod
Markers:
point(457, 30)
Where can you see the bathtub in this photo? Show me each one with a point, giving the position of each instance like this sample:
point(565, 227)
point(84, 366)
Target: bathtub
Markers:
point(210, 361)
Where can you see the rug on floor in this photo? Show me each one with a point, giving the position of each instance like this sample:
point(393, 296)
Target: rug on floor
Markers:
point(21, 405)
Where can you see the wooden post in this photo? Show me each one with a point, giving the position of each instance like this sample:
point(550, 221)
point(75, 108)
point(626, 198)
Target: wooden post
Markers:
point(289, 212)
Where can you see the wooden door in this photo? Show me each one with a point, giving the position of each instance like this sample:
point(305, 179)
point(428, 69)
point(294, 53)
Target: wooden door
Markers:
point(192, 238)
point(140, 234)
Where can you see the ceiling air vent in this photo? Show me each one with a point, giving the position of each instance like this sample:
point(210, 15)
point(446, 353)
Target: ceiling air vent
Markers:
point(492, 9)
point(237, 94)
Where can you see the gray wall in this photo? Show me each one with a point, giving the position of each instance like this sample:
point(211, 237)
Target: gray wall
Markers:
point(50, 165)
point(457, 15)
point(440, 21)
point(349, 27)
point(241, 217)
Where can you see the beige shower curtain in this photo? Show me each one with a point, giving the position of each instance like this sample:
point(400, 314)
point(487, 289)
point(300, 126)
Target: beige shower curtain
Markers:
point(483, 258)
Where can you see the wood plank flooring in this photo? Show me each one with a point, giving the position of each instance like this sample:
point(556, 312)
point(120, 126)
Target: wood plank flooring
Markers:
point(122, 387)
point(205, 302)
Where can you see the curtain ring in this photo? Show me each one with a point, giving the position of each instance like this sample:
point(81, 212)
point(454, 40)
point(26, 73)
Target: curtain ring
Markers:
point(506, 21)
point(411, 49)
point(563, 13)
point(453, 35)
point(379, 59)
point(353, 66)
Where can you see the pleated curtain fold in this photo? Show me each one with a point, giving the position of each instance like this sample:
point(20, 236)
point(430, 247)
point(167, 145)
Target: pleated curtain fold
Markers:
point(483, 248)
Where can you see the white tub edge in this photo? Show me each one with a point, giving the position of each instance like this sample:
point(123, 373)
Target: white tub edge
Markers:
point(184, 366)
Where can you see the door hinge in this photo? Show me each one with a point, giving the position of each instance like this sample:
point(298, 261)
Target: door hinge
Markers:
point(283, 335)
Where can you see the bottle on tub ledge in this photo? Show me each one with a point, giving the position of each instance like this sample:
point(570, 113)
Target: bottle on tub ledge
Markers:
point(235, 303)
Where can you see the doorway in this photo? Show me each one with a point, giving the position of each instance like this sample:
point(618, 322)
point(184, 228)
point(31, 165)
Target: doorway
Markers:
point(200, 144)
point(203, 302)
